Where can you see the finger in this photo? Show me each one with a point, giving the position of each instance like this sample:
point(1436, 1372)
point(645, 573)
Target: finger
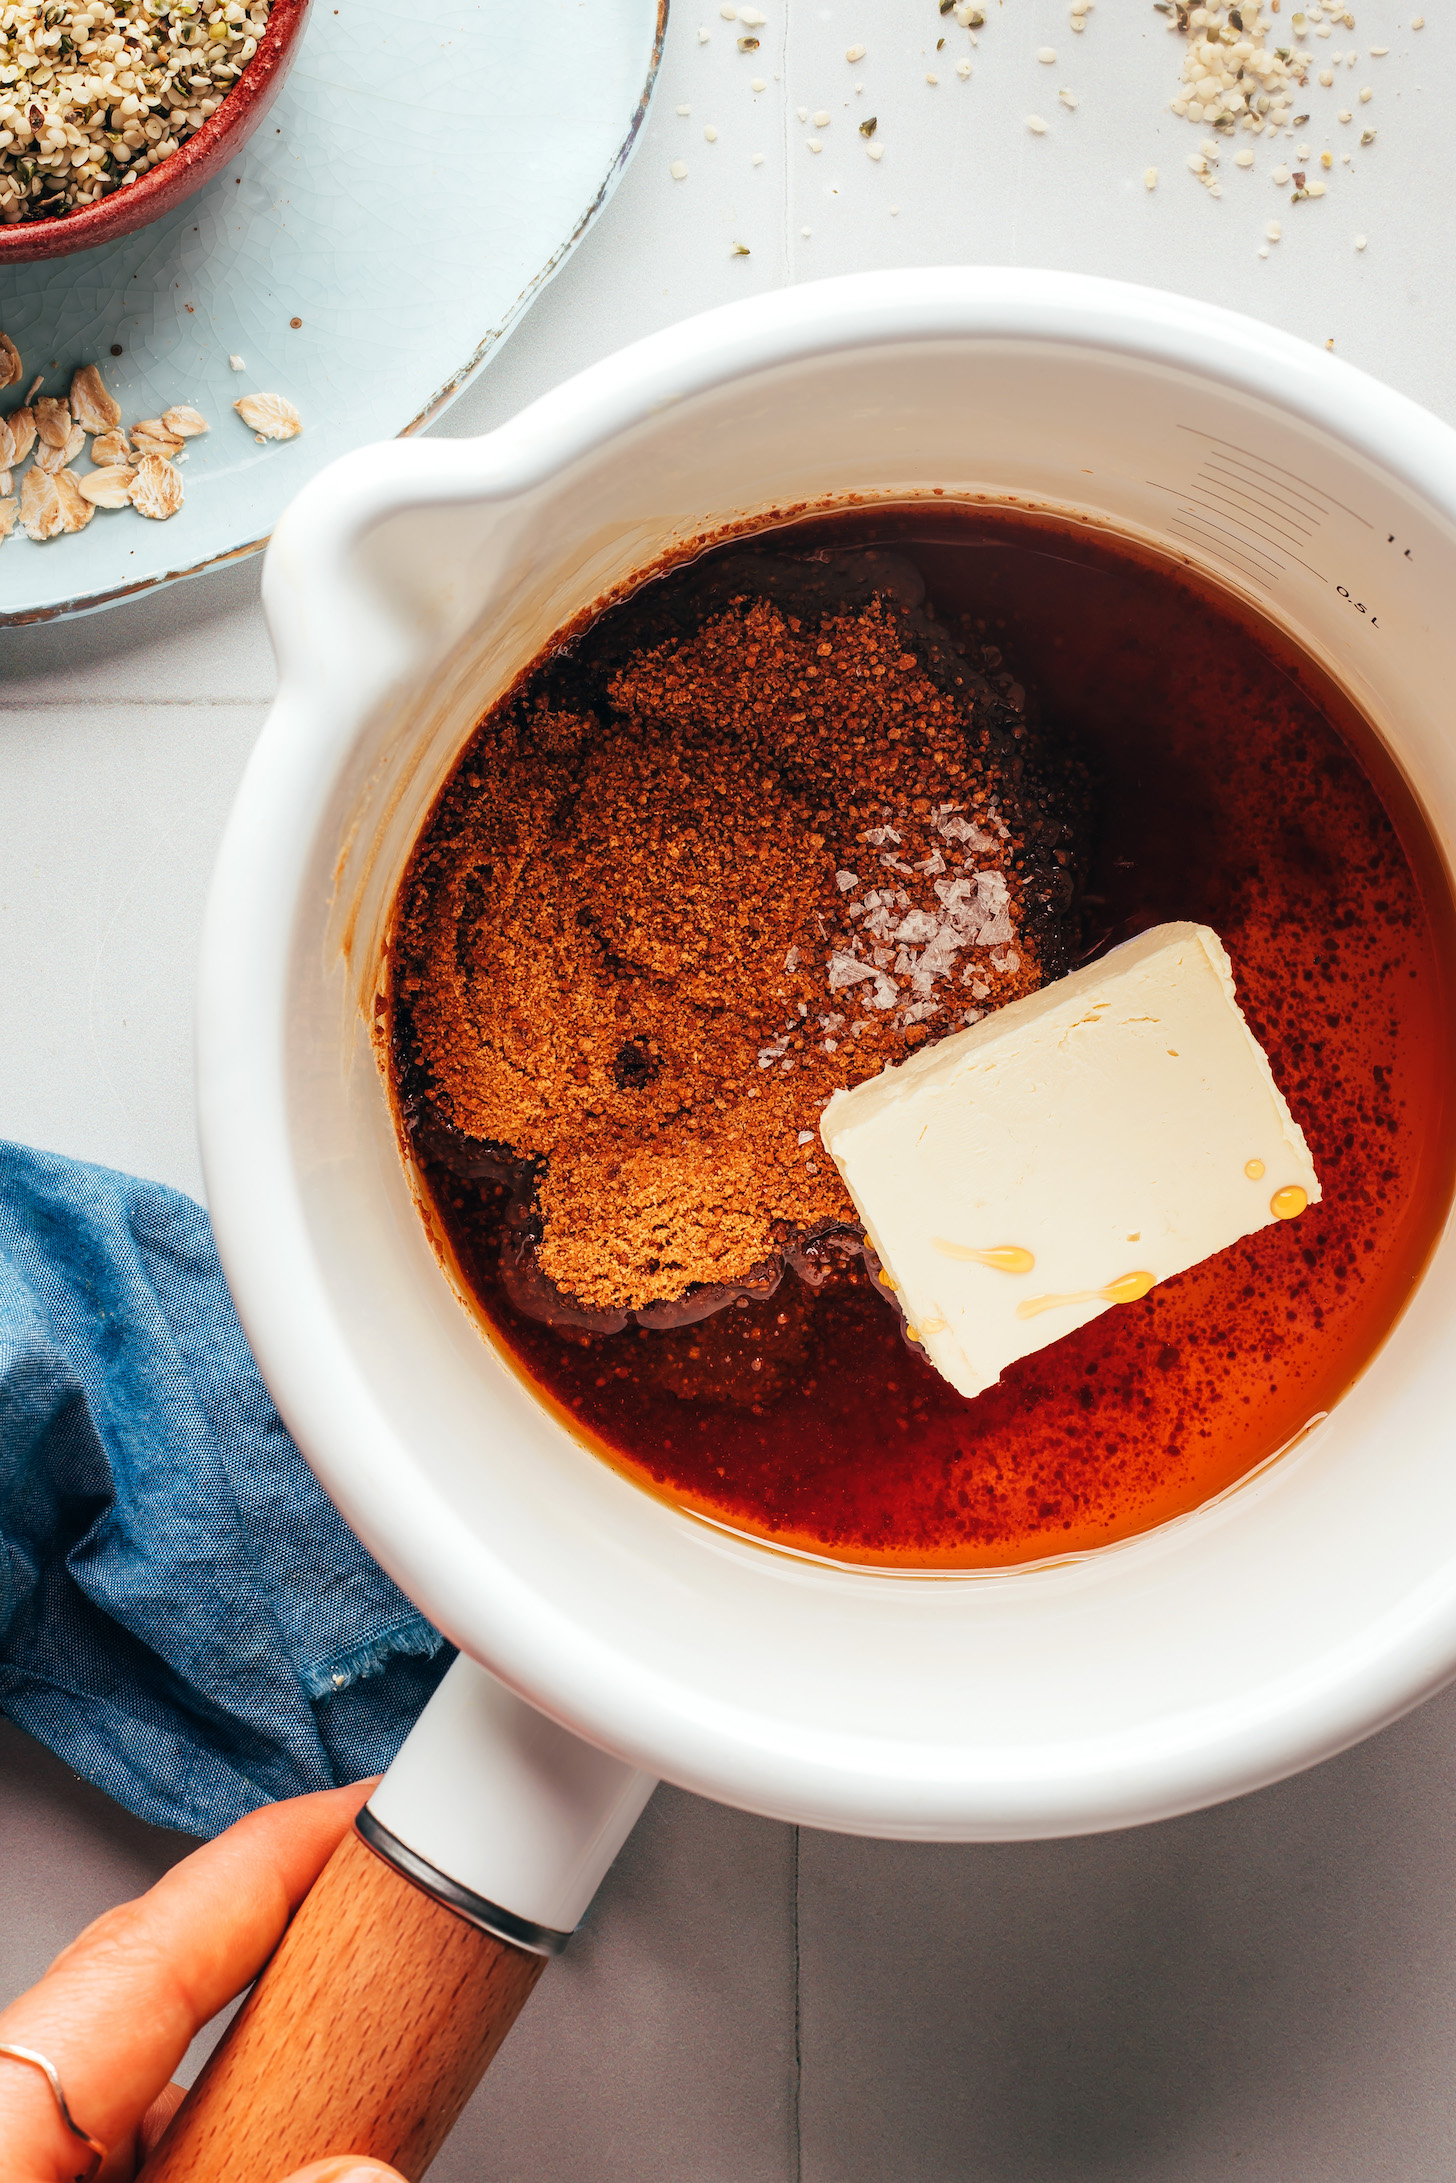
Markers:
point(157, 2117)
point(346, 2168)
point(119, 2007)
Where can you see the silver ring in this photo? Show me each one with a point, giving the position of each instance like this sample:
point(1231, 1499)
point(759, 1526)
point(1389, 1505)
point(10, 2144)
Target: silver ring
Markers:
point(48, 2071)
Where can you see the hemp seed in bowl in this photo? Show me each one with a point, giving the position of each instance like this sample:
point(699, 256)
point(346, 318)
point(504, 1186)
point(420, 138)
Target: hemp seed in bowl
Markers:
point(94, 94)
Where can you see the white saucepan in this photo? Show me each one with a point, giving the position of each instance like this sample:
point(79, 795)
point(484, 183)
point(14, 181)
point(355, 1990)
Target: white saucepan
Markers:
point(405, 589)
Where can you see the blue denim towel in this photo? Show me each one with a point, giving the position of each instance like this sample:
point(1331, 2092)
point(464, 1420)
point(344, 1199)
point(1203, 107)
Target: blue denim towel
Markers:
point(184, 1616)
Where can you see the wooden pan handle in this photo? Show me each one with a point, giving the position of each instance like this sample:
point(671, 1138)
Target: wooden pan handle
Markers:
point(367, 2033)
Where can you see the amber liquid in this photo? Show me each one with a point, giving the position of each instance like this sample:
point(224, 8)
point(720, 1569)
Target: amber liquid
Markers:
point(1237, 787)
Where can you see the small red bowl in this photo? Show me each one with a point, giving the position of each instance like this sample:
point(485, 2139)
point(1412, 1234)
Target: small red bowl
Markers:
point(220, 138)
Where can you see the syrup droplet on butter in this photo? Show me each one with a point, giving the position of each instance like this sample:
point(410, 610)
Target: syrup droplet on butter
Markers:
point(1005, 1257)
point(1125, 1290)
point(1254, 1169)
point(1288, 1204)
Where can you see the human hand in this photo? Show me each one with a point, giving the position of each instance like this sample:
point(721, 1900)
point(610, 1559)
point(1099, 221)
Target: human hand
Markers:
point(117, 2010)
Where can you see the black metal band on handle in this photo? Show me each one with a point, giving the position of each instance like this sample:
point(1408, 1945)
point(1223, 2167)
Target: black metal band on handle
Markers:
point(537, 1940)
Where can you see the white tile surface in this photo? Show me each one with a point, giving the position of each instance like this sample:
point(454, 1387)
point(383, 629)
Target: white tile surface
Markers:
point(193, 642)
point(1264, 1992)
point(661, 2047)
point(110, 814)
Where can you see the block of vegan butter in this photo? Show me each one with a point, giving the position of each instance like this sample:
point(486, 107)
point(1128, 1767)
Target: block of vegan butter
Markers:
point(1069, 1152)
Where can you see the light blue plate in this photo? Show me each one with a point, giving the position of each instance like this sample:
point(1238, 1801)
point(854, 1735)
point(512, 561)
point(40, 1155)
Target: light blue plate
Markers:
point(425, 171)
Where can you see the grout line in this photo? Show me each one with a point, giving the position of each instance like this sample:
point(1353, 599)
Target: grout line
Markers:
point(796, 2146)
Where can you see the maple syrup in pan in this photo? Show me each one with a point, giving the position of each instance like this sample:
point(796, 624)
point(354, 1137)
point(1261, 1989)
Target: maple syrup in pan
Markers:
point(1237, 787)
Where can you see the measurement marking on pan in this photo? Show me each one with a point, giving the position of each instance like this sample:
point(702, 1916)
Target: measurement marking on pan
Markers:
point(1287, 481)
point(1250, 513)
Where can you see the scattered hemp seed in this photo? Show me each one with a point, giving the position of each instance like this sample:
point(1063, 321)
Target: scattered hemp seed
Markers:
point(728, 12)
point(1361, 241)
point(1378, 52)
point(1418, 22)
point(759, 83)
point(1047, 55)
point(822, 118)
point(1366, 95)
point(756, 160)
point(740, 250)
point(1314, 189)
point(1327, 159)
point(748, 45)
point(814, 144)
point(704, 36)
point(869, 126)
point(1344, 114)
point(679, 170)
point(1367, 136)
point(1244, 158)
point(1331, 342)
point(1273, 230)
point(802, 112)
point(876, 151)
point(710, 134)
point(753, 17)
point(932, 79)
point(236, 363)
point(855, 53)
point(1232, 75)
point(685, 112)
point(963, 70)
point(1279, 177)
point(1036, 125)
point(1069, 100)
point(1150, 178)
point(1263, 250)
